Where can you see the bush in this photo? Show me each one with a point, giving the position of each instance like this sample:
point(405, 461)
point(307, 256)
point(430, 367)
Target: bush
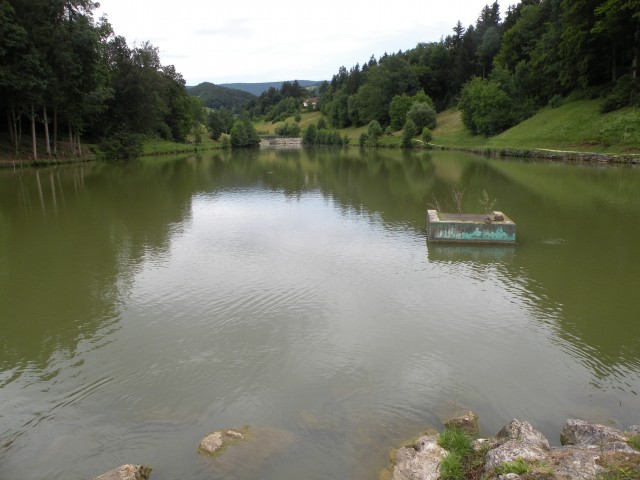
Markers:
point(423, 115)
point(374, 132)
point(310, 135)
point(363, 139)
point(289, 130)
point(243, 134)
point(486, 108)
point(410, 130)
point(426, 135)
point(625, 93)
point(122, 145)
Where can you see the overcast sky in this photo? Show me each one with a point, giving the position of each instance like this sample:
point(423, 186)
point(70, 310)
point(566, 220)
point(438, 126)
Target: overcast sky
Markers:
point(260, 41)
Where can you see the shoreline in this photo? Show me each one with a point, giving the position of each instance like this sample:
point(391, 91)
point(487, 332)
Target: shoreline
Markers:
point(533, 153)
point(545, 154)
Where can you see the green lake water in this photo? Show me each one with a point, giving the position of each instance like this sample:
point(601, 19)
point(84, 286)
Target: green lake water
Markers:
point(145, 305)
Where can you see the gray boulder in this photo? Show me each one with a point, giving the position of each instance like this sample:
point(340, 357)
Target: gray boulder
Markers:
point(127, 472)
point(517, 440)
point(573, 463)
point(419, 461)
point(634, 430)
point(582, 434)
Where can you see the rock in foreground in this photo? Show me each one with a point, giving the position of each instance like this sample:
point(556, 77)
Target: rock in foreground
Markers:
point(420, 460)
point(518, 451)
point(127, 472)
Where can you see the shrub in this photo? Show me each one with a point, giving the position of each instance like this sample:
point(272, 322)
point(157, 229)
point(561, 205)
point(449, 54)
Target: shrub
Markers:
point(426, 135)
point(122, 145)
point(363, 139)
point(625, 93)
point(423, 115)
point(410, 130)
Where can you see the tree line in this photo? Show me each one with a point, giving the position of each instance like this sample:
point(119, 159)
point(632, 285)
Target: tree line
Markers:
point(65, 76)
point(497, 71)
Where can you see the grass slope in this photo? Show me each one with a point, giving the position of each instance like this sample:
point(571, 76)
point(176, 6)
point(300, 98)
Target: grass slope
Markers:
point(575, 126)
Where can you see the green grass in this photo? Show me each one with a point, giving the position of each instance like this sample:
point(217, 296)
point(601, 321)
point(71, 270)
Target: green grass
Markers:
point(518, 466)
point(634, 441)
point(619, 466)
point(462, 460)
point(575, 126)
point(159, 147)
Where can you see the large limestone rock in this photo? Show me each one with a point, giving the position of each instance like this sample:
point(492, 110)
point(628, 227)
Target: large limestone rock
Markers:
point(467, 422)
point(242, 452)
point(634, 430)
point(127, 472)
point(573, 463)
point(419, 461)
point(215, 443)
point(582, 434)
point(517, 440)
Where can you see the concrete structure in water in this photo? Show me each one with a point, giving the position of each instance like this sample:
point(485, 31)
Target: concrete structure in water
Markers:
point(494, 228)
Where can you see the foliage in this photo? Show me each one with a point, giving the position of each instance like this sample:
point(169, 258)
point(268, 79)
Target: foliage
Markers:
point(374, 132)
point(243, 135)
point(310, 135)
point(409, 131)
point(398, 109)
point(427, 136)
point(625, 93)
point(122, 146)
point(486, 203)
point(288, 129)
point(362, 141)
point(486, 108)
point(634, 441)
point(422, 115)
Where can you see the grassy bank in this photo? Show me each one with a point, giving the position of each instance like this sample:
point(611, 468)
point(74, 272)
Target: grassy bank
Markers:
point(575, 126)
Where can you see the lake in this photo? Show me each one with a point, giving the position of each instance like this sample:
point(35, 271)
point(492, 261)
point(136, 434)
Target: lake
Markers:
point(144, 305)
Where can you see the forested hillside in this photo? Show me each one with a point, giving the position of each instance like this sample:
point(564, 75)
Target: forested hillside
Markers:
point(500, 71)
point(64, 76)
point(216, 96)
point(259, 88)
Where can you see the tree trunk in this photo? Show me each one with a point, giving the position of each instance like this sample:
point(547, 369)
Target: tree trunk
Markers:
point(33, 133)
point(47, 141)
point(72, 147)
point(55, 130)
point(78, 143)
point(12, 133)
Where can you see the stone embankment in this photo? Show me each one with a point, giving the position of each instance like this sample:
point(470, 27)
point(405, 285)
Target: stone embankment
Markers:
point(589, 451)
point(280, 142)
point(546, 154)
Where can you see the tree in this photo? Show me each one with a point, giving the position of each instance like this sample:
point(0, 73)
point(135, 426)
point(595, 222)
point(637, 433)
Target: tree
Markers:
point(310, 134)
point(374, 132)
point(398, 109)
point(243, 134)
point(486, 108)
point(216, 124)
point(409, 131)
point(422, 115)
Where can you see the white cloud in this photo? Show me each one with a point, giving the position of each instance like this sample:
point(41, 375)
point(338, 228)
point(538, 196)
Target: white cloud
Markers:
point(268, 41)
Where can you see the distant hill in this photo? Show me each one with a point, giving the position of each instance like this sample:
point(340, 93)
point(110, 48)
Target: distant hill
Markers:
point(258, 88)
point(217, 96)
